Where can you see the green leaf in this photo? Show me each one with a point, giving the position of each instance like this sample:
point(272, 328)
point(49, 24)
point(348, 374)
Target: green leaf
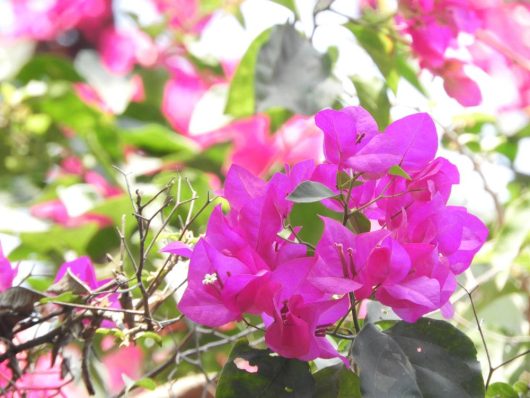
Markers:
point(309, 192)
point(291, 74)
point(429, 358)
point(359, 223)
point(150, 335)
point(114, 332)
point(289, 4)
point(241, 101)
point(48, 67)
point(406, 71)
point(159, 139)
point(66, 297)
point(501, 390)
point(307, 215)
point(56, 239)
point(397, 170)
point(147, 383)
point(260, 373)
point(337, 382)
point(374, 98)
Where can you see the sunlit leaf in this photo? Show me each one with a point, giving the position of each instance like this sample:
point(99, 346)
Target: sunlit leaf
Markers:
point(279, 78)
point(309, 192)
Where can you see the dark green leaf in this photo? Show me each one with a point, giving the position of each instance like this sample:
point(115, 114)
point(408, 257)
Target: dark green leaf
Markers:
point(241, 100)
point(359, 223)
point(374, 98)
point(501, 390)
point(291, 74)
point(337, 382)
point(16, 303)
point(19, 299)
point(309, 192)
point(397, 170)
point(260, 373)
point(429, 358)
point(384, 368)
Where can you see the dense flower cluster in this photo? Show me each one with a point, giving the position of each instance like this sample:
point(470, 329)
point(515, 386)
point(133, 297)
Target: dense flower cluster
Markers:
point(251, 261)
point(499, 30)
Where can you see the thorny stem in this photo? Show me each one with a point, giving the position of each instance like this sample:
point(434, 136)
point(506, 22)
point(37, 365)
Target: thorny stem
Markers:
point(490, 366)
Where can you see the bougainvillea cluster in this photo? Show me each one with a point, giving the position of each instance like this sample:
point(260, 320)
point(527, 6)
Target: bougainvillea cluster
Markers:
point(406, 254)
point(498, 46)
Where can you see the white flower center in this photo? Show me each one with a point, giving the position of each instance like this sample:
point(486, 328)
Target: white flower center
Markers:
point(209, 279)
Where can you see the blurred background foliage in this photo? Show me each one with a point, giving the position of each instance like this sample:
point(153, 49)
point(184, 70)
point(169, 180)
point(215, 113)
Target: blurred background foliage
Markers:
point(155, 90)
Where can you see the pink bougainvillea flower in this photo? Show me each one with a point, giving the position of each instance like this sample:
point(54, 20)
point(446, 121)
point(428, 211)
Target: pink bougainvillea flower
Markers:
point(177, 248)
point(7, 272)
point(457, 234)
point(337, 271)
point(249, 262)
point(422, 291)
point(351, 141)
point(410, 142)
point(82, 268)
point(214, 281)
point(346, 131)
point(398, 193)
point(298, 329)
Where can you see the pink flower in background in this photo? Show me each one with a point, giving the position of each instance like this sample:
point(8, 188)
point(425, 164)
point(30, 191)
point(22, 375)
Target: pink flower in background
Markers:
point(91, 97)
point(299, 139)
point(46, 20)
point(499, 46)
point(55, 210)
point(181, 94)
point(121, 50)
point(101, 185)
point(7, 272)
point(458, 85)
point(41, 380)
point(124, 361)
point(184, 14)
